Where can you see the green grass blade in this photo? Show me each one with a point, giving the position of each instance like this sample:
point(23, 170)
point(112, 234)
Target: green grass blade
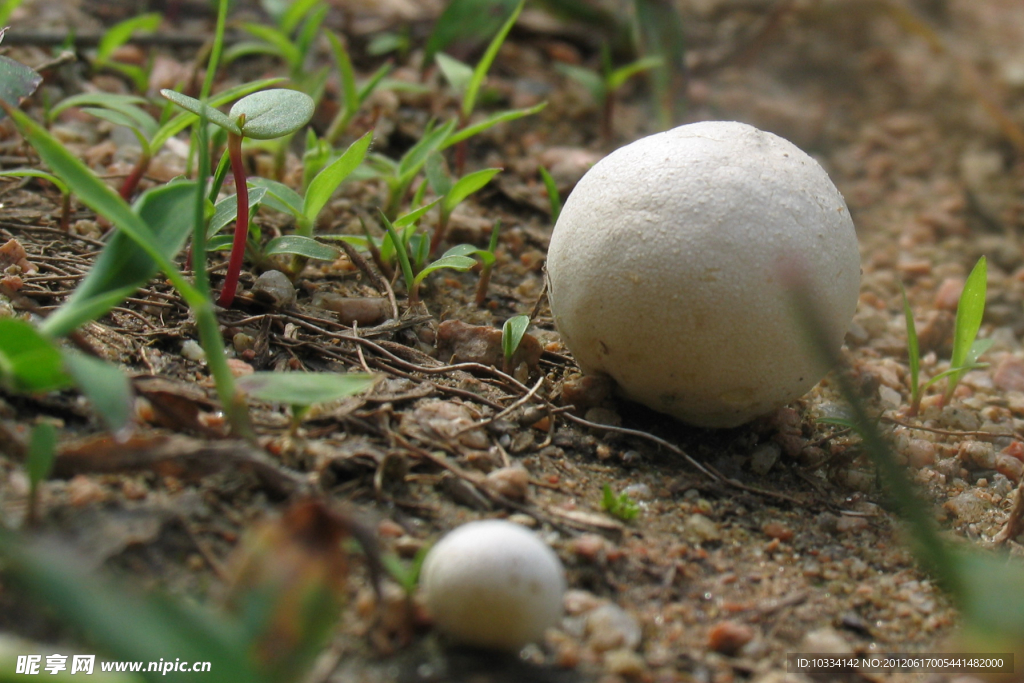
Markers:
point(279, 42)
point(493, 120)
point(467, 185)
point(484, 65)
point(334, 174)
point(459, 74)
point(124, 265)
point(401, 253)
point(278, 196)
point(465, 21)
point(119, 34)
point(42, 452)
point(590, 80)
point(554, 198)
point(295, 13)
point(913, 349)
point(619, 76)
point(969, 312)
point(106, 100)
point(34, 173)
point(414, 159)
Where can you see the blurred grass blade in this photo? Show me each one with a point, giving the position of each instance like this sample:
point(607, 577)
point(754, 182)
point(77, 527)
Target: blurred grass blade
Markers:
point(969, 312)
point(120, 33)
point(464, 21)
point(106, 387)
point(42, 452)
point(493, 120)
point(467, 185)
point(913, 351)
point(304, 388)
point(29, 362)
point(127, 625)
point(661, 35)
point(554, 198)
point(458, 73)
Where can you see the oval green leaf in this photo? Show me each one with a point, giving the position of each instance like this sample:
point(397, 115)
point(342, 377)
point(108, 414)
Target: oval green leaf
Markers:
point(304, 388)
point(273, 113)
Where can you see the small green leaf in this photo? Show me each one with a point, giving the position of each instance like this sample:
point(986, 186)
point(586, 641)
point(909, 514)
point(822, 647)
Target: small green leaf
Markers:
point(512, 333)
point(413, 160)
point(554, 198)
point(42, 452)
point(969, 312)
point(292, 16)
point(191, 104)
point(452, 262)
point(278, 196)
point(618, 77)
point(304, 388)
point(277, 42)
point(16, 81)
point(466, 20)
point(589, 79)
point(437, 174)
point(29, 362)
point(126, 104)
point(408, 219)
point(327, 181)
point(466, 186)
point(184, 120)
point(458, 73)
point(913, 350)
point(300, 245)
point(105, 385)
point(34, 173)
point(272, 113)
point(120, 33)
point(226, 210)
point(139, 121)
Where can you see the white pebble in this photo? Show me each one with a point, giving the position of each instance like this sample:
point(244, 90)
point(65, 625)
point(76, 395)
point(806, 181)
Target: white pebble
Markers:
point(493, 584)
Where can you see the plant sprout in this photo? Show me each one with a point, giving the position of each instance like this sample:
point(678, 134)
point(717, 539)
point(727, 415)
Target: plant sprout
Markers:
point(119, 34)
point(65, 193)
point(966, 347)
point(42, 452)
point(261, 116)
point(512, 333)
point(603, 85)
point(487, 260)
point(452, 193)
point(621, 506)
point(554, 198)
point(302, 390)
point(354, 95)
point(455, 259)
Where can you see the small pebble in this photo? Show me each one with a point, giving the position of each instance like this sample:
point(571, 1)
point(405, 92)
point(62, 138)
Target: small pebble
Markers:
point(610, 627)
point(728, 636)
point(511, 482)
point(920, 453)
point(777, 530)
point(699, 529)
point(191, 350)
point(274, 288)
point(624, 663)
point(764, 457)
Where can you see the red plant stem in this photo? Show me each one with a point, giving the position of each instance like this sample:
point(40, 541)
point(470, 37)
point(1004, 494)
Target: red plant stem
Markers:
point(227, 295)
point(131, 181)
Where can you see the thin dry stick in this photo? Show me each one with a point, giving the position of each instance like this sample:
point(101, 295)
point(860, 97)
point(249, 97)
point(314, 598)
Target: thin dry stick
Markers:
point(1015, 522)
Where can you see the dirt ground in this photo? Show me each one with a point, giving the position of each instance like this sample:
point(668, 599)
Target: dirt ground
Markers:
point(915, 109)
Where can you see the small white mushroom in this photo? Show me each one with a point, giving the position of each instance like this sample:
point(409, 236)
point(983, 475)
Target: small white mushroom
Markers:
point(493, 584)
point(666, 269)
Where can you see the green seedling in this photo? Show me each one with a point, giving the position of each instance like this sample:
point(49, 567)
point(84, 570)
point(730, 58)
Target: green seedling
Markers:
point(291, 41)
point(620, 506)
point(465, 21)
point(127, 110)
point(604, 85)
point(17, 81)
point(554, 198)
point(302, 390)
point(42, 452)
point(453, 259)
point(399, 176)
point(354, 95)
point(262, 115)
point(387, 42)
point(512, 333)
point(65, 193)
point(966, 347)
point(467, 82)
point(452, 192)
point(147, 239)
point(659, 34)
point(488, 257)
point(116, 36)
point(985, 587)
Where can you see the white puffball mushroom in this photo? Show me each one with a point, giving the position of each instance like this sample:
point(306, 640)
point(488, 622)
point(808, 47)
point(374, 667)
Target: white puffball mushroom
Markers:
point(667, 267)
point(493, 584)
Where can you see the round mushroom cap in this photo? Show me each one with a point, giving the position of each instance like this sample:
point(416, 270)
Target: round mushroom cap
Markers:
point(669, 266)
point(493, 584)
